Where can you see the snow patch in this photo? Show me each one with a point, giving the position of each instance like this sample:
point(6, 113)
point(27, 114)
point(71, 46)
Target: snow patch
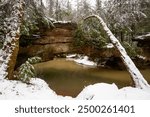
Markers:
point(84, 60)
point(62, 22)
point(141, 57)
point(71, 55)
point(109, 45)
point(143, 36)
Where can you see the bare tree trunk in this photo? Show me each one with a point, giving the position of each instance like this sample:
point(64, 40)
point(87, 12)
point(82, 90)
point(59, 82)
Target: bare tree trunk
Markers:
point(137, 77)
point(10, 48)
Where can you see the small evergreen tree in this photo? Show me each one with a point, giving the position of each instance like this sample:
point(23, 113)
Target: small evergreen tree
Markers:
point(26, 71)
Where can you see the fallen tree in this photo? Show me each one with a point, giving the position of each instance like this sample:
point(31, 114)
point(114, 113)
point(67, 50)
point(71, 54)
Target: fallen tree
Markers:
point(137, 77)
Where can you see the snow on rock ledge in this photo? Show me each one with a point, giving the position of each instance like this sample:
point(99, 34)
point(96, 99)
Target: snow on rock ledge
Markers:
point(109, 45)
point(84, 60)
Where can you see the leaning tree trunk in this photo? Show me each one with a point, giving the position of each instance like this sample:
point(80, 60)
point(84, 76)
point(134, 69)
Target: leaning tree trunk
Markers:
point(10, 48)
point(137, 77)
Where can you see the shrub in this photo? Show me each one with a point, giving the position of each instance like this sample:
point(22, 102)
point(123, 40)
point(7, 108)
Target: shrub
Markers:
point(26, 70)
point(132, 50)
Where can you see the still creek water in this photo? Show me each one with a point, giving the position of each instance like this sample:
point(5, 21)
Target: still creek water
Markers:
point(69, 78)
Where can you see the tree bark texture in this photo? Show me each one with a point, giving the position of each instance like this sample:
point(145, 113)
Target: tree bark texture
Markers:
point(10, 48)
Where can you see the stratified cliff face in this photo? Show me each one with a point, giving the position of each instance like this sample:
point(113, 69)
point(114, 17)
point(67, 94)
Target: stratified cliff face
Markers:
point(57, 41)
point(60, 40)
point(53, 41)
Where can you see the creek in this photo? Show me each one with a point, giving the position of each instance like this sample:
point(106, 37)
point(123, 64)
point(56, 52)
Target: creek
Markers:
point(68, 78)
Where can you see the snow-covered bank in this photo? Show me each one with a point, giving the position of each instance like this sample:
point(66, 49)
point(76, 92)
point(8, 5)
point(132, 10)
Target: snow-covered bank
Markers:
point(38, 89)
point(110, 91)
point(84, 60)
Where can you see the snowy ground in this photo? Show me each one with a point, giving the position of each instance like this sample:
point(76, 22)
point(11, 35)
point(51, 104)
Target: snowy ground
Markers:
point(38, 89)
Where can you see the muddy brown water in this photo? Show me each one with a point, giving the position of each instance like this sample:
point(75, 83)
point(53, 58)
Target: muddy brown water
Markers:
point(68, 78)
